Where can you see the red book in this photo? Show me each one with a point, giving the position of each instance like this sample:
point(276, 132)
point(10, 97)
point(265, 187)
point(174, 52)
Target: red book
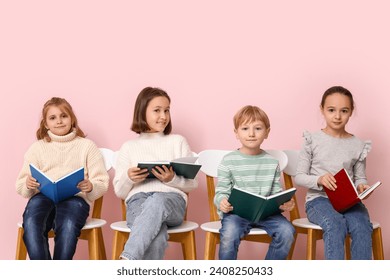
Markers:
point(346, 195)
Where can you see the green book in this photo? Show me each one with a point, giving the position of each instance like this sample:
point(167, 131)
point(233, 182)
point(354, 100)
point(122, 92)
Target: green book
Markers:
point(185, 166)
point(256, 207)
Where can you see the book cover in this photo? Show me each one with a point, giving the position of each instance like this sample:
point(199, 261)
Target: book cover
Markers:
point(255, 207)
point(345, 196)
point(61, 189)
point(186, 166)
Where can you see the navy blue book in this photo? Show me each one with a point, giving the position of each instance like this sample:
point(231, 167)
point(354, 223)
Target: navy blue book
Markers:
point(61, 189)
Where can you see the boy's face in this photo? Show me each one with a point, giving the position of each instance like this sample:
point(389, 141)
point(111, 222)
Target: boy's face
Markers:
point(251, 136)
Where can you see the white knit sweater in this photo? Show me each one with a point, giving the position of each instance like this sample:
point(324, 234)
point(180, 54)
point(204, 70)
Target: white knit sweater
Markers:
point(61, 156)
point(151, 147)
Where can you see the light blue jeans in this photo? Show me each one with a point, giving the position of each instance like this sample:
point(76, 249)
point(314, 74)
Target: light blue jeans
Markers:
point(234, 228)
point(335, 226)
point(148, 216)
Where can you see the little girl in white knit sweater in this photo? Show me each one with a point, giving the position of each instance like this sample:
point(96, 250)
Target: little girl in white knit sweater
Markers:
point(61, 148)
point(155, 204)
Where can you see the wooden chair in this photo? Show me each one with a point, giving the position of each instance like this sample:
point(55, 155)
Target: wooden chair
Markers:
point(210, 159)
point(313, 231)
point(183, 234)
point(92, 231)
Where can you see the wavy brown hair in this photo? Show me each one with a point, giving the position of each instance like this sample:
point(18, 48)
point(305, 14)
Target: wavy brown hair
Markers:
point(65, 107)
point(139, 119)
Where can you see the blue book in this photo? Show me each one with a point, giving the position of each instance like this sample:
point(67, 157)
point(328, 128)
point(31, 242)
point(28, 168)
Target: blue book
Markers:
point(61, 189)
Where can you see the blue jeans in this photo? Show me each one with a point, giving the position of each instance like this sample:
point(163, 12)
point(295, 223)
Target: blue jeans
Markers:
point(148, 216)
point(66, 218)
point(335, 226)
point(234, 228)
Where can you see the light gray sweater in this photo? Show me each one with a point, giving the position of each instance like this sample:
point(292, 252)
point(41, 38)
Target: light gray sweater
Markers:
point(322, 153)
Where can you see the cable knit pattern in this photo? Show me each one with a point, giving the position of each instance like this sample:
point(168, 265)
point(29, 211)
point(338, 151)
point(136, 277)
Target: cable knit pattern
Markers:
point(61, 156)
point(151, 147)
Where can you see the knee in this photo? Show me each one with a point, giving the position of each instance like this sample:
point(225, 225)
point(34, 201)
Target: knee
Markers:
point(288, 231)
point(69, 226)
point(285, 233)
point(28, 223)
point(364, 227)
point(231, 232)
point(336, 226)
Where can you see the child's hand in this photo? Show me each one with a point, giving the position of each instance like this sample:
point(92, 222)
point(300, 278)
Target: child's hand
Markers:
point(361, 188)
point(287, 206)
point(225, 206)
point(137, 174)
point(164, 174)
point(31, 183)
point(85, 185)
point(327, 181)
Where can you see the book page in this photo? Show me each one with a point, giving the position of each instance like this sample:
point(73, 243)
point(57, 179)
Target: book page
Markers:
point(369, 190)
point(189, 160)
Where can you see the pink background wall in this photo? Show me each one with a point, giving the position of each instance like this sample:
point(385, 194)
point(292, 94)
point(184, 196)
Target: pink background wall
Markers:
point(212, 57)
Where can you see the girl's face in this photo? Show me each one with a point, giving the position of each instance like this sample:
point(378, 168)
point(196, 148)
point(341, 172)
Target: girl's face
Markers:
point(157, 114)
point(251, 136)
point(337, 110)
point(57, 121)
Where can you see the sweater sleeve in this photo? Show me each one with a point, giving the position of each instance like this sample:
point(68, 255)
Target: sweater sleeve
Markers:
point(224, 185)
point(303, 177)
point(276, 186)
point(21, 187)
point(359, 169)
point(96, 173)
point(122, 183)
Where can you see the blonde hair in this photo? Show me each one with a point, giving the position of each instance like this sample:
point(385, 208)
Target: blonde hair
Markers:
point(64, 106)
point(250, 114)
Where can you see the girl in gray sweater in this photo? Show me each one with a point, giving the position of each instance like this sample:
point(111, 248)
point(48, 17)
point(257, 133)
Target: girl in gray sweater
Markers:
point(324, 153)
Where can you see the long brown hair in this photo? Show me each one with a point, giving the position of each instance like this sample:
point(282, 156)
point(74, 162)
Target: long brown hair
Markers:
point(64, 106)
point(139, 119)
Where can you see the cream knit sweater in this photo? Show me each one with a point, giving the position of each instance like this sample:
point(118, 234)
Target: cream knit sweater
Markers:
point(61, 156)
point(151, 147)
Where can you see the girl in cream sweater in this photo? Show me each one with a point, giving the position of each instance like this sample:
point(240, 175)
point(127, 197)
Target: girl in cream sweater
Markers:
point(61, 148)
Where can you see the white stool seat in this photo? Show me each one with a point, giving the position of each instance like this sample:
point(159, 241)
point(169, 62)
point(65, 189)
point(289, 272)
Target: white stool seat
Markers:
point(90, 224)
point(184, 227)
point(304, 223)
point(216, 226)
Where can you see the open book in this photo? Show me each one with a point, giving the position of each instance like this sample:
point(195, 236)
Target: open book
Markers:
point(185, 166)
point(61, 189)
point(346, 195)
point(255, 207)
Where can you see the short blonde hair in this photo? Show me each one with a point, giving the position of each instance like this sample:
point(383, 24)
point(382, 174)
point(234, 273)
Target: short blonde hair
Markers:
point(250, 114)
